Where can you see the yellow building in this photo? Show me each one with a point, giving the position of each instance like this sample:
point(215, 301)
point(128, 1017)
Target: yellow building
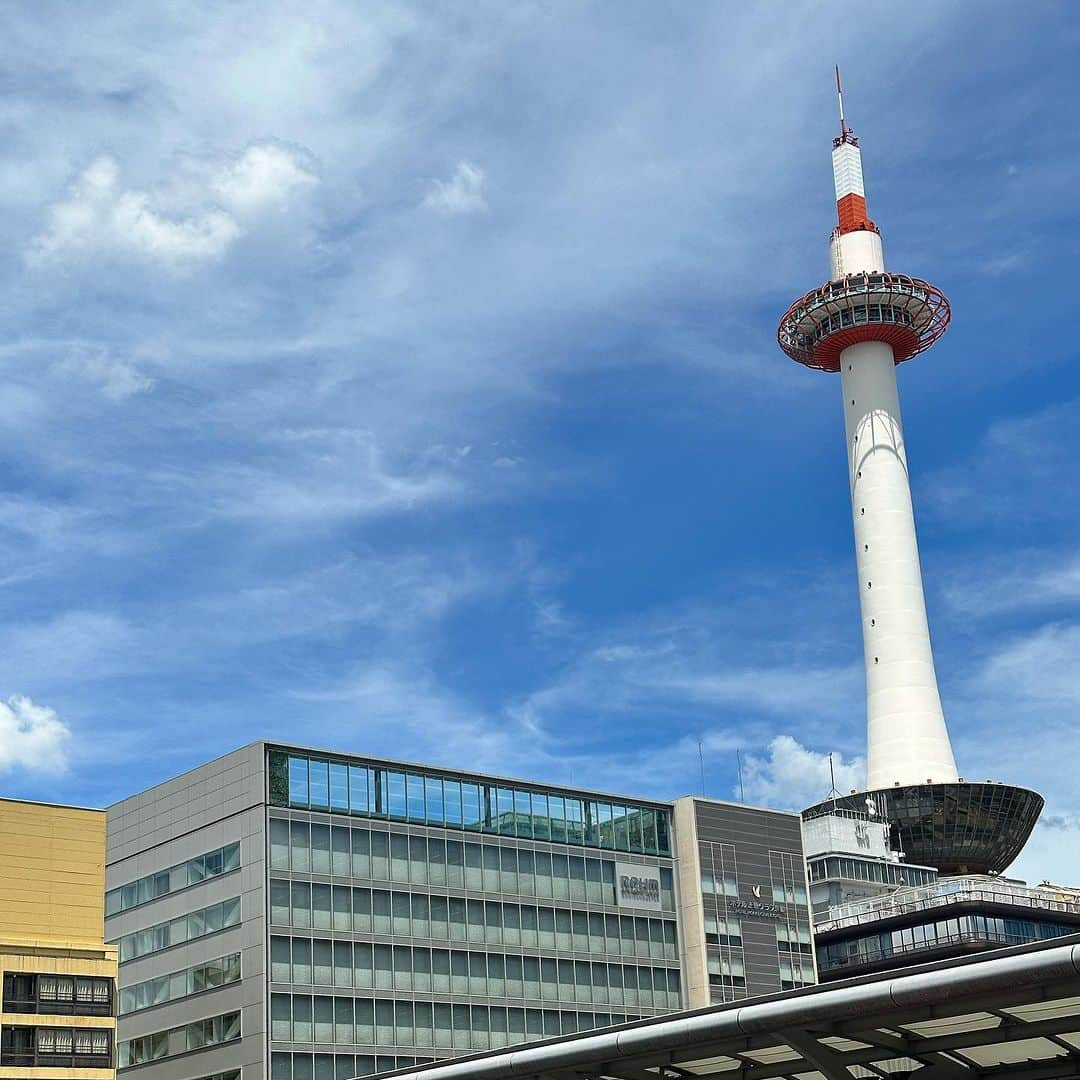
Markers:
point(59, 976)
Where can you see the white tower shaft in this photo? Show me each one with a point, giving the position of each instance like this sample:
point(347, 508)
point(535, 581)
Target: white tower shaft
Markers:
point(907, 741)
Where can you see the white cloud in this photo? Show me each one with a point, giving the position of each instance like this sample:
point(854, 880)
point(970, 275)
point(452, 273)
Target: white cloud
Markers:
point(463, 193)
point(264, 177)
point(32, 737)
point(117, 379)
point(99, 216)
point(794, 777)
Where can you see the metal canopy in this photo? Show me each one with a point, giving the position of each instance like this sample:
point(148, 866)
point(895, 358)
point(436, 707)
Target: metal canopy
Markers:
point(1014, 1015)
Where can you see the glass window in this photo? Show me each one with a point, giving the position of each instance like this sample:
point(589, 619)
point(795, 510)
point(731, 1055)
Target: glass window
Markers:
point(575, 821)
point(396, 802)
point(319, 785)
point(339, 788)
point(452, 802)
point(557, 814)
point(523, 814)
point(300, 835)
point(298, 782)
point(663, 833)
point(648, 830)
point(592, 827)
point(320, 849)
point(339, 857)
point(435, 811)
point(414, 786)
point(358, 790)
point(606, 827)
point(540, 817)
point(279, 902)
point(470, 805)
point(621, 824)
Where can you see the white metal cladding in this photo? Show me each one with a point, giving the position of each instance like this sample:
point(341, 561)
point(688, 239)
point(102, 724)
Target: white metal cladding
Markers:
point(847, 170)
point(1014, 1015)
point(907, 742)
point(858, 252)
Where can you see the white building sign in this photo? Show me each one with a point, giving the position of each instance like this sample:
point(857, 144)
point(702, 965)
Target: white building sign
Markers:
point(638, 886)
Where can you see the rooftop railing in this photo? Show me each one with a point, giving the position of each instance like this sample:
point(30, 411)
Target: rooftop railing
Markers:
point(913, 900)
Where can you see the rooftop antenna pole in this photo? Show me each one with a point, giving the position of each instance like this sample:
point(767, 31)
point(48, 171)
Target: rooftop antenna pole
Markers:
point(701, 762)
point(738, 762)
point(840, 99)
point(832, 782)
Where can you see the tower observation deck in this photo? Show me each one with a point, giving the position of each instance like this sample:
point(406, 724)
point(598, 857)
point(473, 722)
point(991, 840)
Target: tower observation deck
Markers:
point(862, 323)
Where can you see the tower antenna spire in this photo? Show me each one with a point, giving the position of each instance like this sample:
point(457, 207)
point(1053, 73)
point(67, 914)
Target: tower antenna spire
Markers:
point(840, 99)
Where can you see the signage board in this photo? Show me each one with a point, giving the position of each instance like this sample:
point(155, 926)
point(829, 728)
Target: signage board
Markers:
point(756, 909)
point(637, 886)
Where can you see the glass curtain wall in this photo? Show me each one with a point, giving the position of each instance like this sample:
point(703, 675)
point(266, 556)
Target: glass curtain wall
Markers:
point(309, 783)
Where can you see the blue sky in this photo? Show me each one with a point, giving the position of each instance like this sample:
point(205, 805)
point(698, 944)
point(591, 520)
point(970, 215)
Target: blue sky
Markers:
point(401, 378)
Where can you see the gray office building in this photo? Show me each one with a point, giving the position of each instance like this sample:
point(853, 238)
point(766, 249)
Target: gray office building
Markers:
point(743, 912)
point(302, 915)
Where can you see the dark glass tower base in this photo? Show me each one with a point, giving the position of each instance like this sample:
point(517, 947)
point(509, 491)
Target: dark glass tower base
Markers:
point(958, 828)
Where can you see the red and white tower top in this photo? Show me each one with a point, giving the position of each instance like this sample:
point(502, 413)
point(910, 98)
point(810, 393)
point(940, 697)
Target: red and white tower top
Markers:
point(860, 302)
point(848, 177)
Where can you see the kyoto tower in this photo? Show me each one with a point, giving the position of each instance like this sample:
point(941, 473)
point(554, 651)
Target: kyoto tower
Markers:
point(862, 323)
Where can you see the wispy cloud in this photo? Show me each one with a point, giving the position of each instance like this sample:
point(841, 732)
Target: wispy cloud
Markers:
point(1027, 580)
point(463, 193)
point(118, 379)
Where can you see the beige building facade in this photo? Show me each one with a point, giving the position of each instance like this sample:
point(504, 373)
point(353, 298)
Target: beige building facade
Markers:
point(58, 976)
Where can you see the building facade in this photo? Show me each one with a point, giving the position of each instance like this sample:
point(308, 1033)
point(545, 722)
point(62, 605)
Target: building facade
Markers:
point(743, 911)
point(305, 915)
point(850, 858)
point(58, 975)
point(954, 916)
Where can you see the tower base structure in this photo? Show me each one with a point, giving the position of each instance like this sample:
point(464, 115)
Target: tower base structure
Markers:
point(958, 828)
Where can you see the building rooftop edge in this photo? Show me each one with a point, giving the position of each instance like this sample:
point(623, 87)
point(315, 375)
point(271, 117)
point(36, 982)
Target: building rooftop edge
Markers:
point(740, 805)
point(53, 805)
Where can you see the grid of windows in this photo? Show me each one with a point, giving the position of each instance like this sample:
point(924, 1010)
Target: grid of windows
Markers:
point(346, 964)
point(178, 984)
point(50, 1047)
point(212, 864)
point(341, 851)
point(337, 1066)
point(793, 936)
point(726, 969)
point(722, 929)
point(719, 875)
point(943, 933)
point(788, 892)
point(196, 924)
point(212, 1031)
point(428, 798)
point(314, 905)
point(70, 995)
point(795, 939)
point(423, 1024)
point(843, 868)
point(724, 961)
point(795, 971)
